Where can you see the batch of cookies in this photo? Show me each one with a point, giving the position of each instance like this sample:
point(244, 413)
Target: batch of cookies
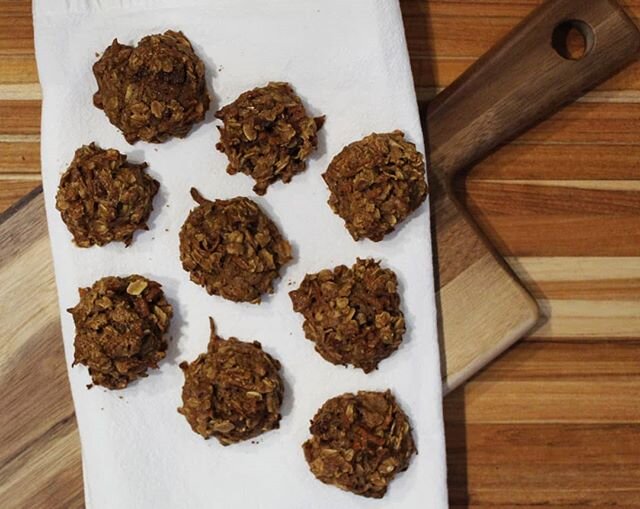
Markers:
point(233, 391)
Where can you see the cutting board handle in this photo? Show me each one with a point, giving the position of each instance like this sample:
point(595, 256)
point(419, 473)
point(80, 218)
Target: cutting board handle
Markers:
point(524, 79)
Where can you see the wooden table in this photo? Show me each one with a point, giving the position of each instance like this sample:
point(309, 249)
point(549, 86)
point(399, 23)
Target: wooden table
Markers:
point(555, 422)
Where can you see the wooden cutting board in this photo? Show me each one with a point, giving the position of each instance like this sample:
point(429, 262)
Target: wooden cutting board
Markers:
point(483, 309)
point(530, 74)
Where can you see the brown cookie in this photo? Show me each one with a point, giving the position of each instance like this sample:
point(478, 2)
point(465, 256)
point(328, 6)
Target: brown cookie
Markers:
point(267, 134)
point(152, 91)
point(104, 198)
point(232, 248)
point(360, 442)
point(376, 183)
point(352, 314)
point(120, 324)
point(233, 392)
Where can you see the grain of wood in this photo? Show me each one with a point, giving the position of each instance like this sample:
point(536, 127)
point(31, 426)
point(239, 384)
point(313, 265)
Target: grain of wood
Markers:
point(19, 157)
point(557, 499)
point(20, 91)
point(617, 124)
point(18, 69)
point(426, 94)
point(429, 71)
point(580, 278)
point(622, 289)
point(458, 36)
point(572, 318)
point(549, 220)
point(465, 295)
point(553, 235)
point(13, 189)
point(580, 464)
point(16, 29)
point(20, 117)
point(582, 269)
point(20, 138)
point(534, 161)
point(444, 29)
point(499, 197)
point(39, 455)
point(545, 401)
point(46, 475)
point(554, 443)
point(579, 360)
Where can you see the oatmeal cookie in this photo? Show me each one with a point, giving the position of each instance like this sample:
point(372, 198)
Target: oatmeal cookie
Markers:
point(103, 198)
point(120, 324)
point(360, 442)
point(232, 248)
point(267, 134)
point(233, 391)
point(376, 183)
point(152, 91)
point(352, 314)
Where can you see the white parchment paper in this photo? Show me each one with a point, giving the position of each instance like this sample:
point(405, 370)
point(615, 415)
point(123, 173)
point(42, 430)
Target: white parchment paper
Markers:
point(348, 60)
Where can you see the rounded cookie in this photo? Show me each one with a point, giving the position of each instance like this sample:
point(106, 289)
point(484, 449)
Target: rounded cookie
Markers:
point(233, 391)
point(120, 327)
point(352, 314)
point(267, 134)
point(152, 91)
point(360, 442)
point(376, 183)
point(232, 248)
point(104, 198)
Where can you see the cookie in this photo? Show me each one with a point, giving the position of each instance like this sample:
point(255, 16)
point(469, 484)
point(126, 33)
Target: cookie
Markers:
point(352, 314)
point(360, 442)
point(152, 91)
point(232, 248)
point(233, 392)
point(376, 183)
point(120, 327)
point(267, 135)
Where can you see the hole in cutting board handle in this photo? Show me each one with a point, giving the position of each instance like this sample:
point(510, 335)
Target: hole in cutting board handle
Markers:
point(573, 39)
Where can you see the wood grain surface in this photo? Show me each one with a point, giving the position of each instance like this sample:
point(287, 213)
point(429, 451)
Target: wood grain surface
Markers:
point(556, 420)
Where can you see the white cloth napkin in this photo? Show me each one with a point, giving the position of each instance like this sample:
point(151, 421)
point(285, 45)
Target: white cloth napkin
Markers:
point(348, 60)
